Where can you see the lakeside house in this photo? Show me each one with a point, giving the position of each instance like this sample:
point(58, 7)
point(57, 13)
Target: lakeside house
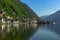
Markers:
point(29, 21)
point(2, 18)
point(34, 21)
point(7, 19)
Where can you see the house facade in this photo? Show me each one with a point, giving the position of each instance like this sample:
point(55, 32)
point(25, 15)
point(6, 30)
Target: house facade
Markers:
point(2, 18)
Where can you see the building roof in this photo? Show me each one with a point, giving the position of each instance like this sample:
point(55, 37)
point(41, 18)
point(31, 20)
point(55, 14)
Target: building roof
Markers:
point(2, 12)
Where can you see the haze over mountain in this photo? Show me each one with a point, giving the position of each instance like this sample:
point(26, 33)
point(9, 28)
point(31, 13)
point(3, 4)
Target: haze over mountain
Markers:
point(54, 17)
point(43, 17)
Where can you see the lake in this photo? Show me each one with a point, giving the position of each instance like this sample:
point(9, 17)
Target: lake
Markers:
point(29, 32)
point(47, 32)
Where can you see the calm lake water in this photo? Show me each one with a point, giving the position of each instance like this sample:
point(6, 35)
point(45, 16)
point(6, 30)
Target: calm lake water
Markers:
point(29, 32)
point(47, 32)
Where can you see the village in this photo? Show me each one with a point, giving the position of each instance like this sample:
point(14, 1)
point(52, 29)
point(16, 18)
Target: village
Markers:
point(7, 19)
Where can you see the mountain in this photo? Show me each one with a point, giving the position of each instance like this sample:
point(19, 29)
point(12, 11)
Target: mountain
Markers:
point(44, 17)
point(21, 9)
point(54, 17)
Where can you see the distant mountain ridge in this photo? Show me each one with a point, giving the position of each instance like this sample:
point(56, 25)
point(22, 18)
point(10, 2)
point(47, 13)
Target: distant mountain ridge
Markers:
point(54, 17)
point(43, 17)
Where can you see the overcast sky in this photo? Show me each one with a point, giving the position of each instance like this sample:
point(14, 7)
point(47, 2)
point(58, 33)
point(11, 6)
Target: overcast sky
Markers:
point(43, 7)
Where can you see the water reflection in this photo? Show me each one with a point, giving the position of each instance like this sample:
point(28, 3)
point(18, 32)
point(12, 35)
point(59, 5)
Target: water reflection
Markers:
point(44, 32)
point(29, 32)
point(28, 27)
point(16, 31)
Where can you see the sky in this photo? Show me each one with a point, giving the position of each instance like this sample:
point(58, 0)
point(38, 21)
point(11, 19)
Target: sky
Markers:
point(43, 7)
